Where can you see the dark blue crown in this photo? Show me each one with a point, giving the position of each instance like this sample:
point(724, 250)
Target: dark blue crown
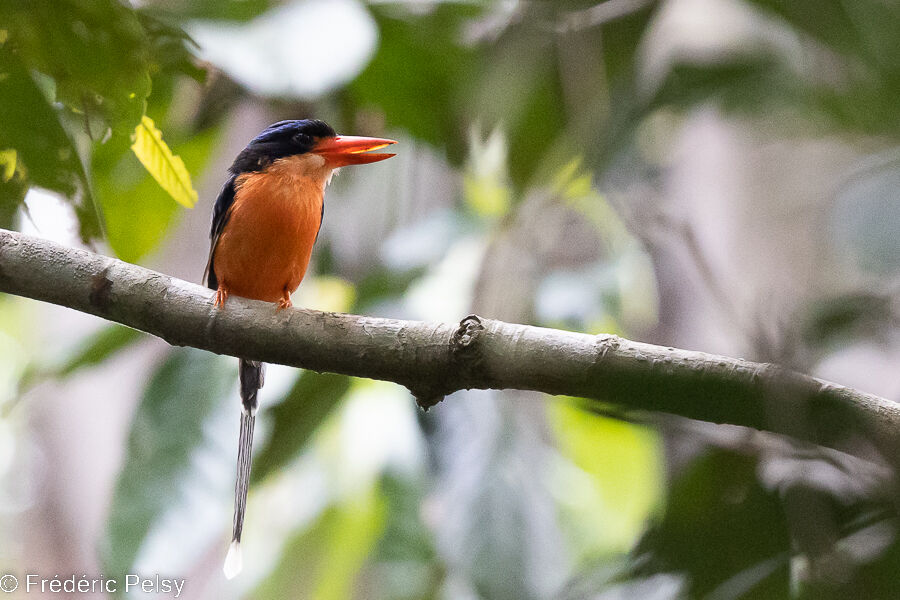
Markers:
point(284, 138)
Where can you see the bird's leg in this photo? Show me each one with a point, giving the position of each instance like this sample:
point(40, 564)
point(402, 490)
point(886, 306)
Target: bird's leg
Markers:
point(285, 301)
point(221, 296)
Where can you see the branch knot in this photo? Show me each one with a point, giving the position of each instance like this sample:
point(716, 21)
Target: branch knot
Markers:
point(462, 358)
point(607, 343)
point(466, 334)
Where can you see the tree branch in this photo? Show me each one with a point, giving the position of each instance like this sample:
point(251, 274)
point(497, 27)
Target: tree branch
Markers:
point(436, 359)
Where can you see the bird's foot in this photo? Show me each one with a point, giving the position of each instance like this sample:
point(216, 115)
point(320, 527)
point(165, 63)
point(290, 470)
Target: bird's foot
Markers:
point(221, 297)
point(285, 302)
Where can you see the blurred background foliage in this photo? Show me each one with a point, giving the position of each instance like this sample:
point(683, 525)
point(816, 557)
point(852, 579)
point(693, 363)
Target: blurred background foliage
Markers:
point(714, 174)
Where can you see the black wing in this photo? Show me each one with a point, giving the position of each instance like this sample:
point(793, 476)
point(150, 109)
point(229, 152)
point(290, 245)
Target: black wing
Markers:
point(221, 213)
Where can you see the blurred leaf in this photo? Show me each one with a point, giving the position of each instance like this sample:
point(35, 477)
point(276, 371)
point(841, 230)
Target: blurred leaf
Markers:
point(603, 99)
point(404, 565)
point(46, 156)
point(327, 293)
point(834, 322)
point(96, 52)
point(742, 82)
point(94, 58)
point(622, 40)
point(11, 196)
point(381, 284)
point(92, 351)
point(829, 21)
point(138, 211)
point(854, 89)
point(875, 579)
point(550, 93)
point(12, 187)
point(722, 530)
point(521, 92)
point(485, 183)
point(226, 10)
point(98, 348)
point(420, 55)
point(619, 482)
point(495, 514)
point(309, 402)
point(166, 430)
point(171, 47)
point(573, 183)
point(8, 163)
point(323, 561)
point(167, 169)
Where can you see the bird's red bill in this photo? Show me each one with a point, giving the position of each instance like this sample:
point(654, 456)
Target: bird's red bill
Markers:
point(344, 150)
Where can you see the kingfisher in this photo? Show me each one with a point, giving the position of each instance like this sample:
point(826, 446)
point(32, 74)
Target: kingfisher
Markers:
point(265, 222)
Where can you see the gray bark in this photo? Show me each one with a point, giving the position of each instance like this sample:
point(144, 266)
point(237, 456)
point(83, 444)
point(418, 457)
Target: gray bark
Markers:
point(436, 359)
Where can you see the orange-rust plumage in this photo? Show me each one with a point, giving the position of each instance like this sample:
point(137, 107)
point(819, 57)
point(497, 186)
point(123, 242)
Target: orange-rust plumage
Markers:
point(264, 249)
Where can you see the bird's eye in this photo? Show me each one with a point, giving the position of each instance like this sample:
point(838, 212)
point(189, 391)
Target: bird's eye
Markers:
point(301, 139)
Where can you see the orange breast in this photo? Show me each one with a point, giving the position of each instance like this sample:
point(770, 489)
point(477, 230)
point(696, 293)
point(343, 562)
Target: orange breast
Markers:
point(264, 250)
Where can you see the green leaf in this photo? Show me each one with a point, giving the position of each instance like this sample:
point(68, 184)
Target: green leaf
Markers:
point(94, 59)
point(224, 10)
point(45, 154)
point(167, 169)
point(829, 21)
point(323, 561)
point(617, 485)
point(720, 524)
point(95, 51)
point(171, 48)
point(167, 428)
point(429, 82)
point(381, 284)
point(12, 187)
point(427, 69)
point(99, 347)
point(854, 91)
point(309, 402)
point(7, 164)
point(832, 323)
point(405, 559)
point(875, 579)
point(92, 351)
point(138, 212)
point(524, 66)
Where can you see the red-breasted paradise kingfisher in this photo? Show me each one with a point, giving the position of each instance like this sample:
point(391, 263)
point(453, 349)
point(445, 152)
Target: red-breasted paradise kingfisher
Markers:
point(265, 223)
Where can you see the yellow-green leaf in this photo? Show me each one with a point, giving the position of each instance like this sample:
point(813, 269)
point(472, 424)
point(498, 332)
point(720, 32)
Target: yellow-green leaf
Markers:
point(167, 169)
point(7, 164)
point(613, 483)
